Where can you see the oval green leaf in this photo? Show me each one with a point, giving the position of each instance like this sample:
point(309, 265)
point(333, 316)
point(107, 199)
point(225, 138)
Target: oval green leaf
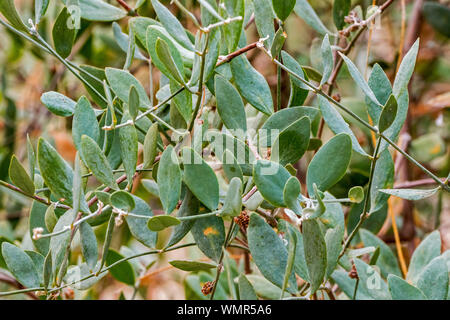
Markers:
point(268, 252)
point(270, 178)
point(192, 266)
point(19, 176)
point(123, 271)
point(162, 222)
point(57, 174)
point(315, 252)
point(229, 105)
point(58, 103)
point(292, 142)
point(63, 36)
point(194, 167)
point(123, 200)
point(150, 146)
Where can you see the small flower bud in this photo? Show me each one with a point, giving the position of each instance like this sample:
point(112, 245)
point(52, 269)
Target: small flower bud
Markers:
point(121, 214)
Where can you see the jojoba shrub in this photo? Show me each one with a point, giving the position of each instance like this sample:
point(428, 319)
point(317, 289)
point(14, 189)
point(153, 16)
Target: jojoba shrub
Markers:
point(232, 149)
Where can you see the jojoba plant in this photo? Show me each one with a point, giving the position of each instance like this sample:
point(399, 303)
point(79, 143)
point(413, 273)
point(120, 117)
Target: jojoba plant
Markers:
point(269, 194)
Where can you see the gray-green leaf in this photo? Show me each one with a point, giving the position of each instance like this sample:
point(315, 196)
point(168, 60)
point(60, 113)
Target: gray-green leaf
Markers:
point(233, 200)
point(58, 103)
point(57, 174)
point(386, 260)
point(428, 249)
point(123, 271)
point(121, 82)
point(359, 79)
point(405, 70)
point(162, 222)
point(84, 122)
point(268, 252)
point(433, 280)
point(194, 167)
point(209, 234)
point(172, 25)
point(150, 146)
point(307, 13)
point(402, 290)
point(292, 142)
point(8, 9)
point(246, 290)
point(270, 178)
point(371, 281)
point(388, 114)
point(327, 60)
point(63, 36)
point(337, 124)
point(411, 194)
point(128, 147)
point(122, 200)
point(89, 246)
point(138, 229)
point(283, 8)
point(186, 265)
point(341, 8)
point(164, 55)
